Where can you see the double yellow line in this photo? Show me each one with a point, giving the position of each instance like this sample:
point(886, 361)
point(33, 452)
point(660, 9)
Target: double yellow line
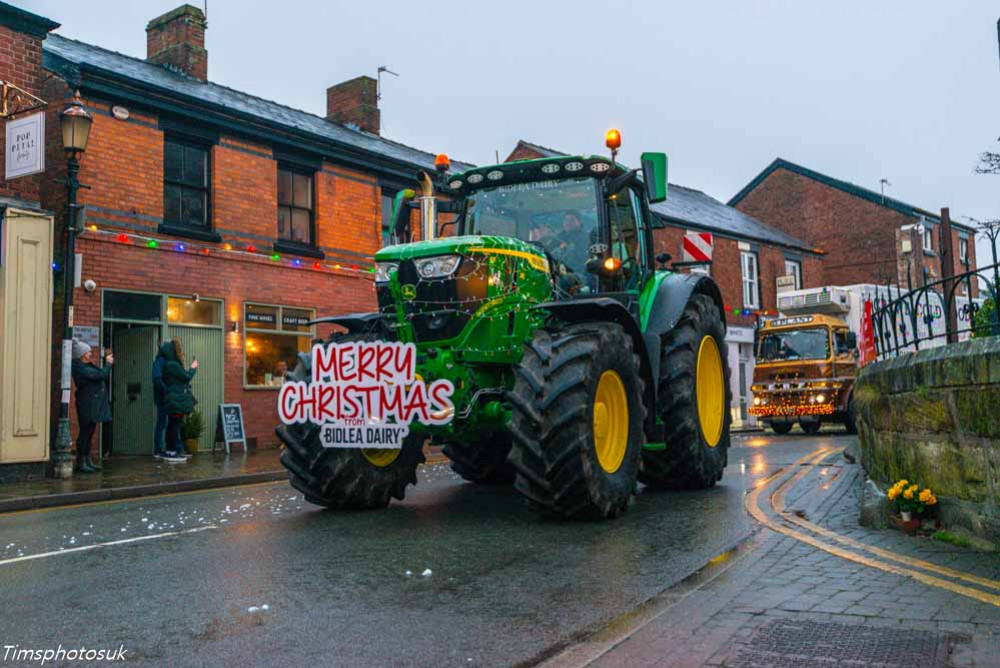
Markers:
point(885, 558)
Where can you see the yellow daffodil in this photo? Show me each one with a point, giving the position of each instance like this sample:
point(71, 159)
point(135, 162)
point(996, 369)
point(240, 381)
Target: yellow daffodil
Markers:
point(903, 482)
point(925, 495)
point(893, 493)
point(908, 494)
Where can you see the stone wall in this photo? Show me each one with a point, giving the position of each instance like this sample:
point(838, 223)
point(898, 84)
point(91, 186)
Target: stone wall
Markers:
point(933, 417)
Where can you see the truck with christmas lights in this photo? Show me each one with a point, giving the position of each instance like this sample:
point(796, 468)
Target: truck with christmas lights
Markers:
point(542, 344)
point(804, 373)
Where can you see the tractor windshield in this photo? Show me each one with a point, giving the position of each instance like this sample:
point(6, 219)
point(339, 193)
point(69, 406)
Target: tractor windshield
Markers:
point(794, 344)
point(558, 216)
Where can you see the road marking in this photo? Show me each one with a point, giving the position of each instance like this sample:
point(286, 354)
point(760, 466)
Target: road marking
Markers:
point(133, 499)
point(778, 503)
point(753, 506)
point(123, 541)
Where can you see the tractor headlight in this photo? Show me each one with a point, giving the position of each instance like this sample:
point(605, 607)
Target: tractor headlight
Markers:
point(438, 267)
point(820, 398)
point(383, 269)
point(756, 401)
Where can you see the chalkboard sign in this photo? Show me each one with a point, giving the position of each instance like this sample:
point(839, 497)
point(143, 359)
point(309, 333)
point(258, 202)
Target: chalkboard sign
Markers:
point(229, 426)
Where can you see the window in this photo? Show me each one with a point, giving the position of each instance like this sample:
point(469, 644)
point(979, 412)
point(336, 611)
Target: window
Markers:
point(928, 239)
point(387, 197)
point(189, 311)
point(295, 207)
point(794, 268)
point(185, 184)
point(748, 262)
point(963, 251)
point(274, 336)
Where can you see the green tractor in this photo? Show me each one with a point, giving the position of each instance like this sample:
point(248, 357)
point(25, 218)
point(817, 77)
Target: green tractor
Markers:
point(579, 366)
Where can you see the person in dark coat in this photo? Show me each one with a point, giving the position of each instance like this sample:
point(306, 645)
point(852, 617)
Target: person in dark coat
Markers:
point(92, 407)
point(161, 411)
point(178, 400)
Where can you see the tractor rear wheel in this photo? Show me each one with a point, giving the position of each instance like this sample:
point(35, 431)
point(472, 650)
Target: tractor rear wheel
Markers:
point(693, 402)
point(346, 477)
point(850, 418)
point(810, 428)
point(484, 462)
point(577, 422)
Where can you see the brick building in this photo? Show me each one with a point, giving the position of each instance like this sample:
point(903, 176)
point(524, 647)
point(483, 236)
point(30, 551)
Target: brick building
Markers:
point(867, 238)
point(212, 215)
point(748, 257)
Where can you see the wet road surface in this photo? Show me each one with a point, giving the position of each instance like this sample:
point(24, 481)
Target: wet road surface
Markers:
point(456, 575)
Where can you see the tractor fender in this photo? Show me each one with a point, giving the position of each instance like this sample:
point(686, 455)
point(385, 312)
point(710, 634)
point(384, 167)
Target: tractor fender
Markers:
point(668, 305)
point(354, 323)
point(605, 309)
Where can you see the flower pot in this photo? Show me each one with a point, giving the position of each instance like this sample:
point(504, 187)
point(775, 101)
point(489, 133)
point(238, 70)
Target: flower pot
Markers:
point(906, 515)
point(191, 445)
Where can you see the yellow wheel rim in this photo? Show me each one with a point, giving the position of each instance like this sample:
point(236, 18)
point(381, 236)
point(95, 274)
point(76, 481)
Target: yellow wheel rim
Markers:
point(610, 421)
point(710, 388)
point(380, 457)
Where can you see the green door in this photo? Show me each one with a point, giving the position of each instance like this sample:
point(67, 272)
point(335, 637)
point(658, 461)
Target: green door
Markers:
point(132, 389)
point(206, 344)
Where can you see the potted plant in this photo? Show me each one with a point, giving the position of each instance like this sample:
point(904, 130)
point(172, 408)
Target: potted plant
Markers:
point(191, 430)
point(911, 501)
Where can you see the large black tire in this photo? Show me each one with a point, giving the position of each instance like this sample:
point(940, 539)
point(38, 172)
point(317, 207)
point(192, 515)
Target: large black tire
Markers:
point(344, 477)
point(484, 462)
point(553, 405)
point(688, 462)
point(850, 418)
point(781, 427)
point(811, 428)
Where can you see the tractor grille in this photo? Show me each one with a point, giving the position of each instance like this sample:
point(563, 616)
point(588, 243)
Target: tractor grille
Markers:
point(439, 308)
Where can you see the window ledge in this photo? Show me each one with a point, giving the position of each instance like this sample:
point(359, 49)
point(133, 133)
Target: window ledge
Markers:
point(929, 253)
point(188, 232)
point(294, 248)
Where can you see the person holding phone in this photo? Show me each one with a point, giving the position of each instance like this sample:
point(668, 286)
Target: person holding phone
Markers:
point(92, 406)
point(178, 398)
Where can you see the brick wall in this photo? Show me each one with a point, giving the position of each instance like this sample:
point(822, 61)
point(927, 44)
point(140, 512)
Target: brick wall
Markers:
point(20, 64)
point(858, 235)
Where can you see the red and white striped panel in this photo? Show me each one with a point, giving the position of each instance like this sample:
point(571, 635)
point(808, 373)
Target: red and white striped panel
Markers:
point(697, 247)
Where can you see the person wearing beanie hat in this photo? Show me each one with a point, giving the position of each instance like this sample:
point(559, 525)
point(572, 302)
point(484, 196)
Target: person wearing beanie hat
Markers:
point(92, 407)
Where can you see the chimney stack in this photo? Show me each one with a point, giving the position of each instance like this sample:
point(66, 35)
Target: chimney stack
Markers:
point(354, 102)
point(177, 39)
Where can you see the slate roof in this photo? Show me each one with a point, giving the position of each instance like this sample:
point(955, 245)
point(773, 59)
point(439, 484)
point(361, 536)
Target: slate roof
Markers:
point(693, 208)
point(62, 54)
point(845, 186)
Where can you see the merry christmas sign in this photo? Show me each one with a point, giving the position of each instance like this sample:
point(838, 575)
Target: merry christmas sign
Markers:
point(365, 394)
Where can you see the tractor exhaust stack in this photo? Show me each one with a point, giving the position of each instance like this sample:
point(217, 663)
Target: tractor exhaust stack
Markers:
point(428, 208)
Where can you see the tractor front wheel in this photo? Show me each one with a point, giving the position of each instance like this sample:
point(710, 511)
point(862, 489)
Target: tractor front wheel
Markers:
point(693, 402)
point(781, 427)
point(346, 477)
point(484, 462)
point(577, 422)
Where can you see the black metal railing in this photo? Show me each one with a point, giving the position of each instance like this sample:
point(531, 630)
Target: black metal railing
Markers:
point(935, 313)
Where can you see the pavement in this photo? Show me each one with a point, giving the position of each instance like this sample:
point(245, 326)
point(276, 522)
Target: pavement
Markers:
point(813, 588)
point(127, 477)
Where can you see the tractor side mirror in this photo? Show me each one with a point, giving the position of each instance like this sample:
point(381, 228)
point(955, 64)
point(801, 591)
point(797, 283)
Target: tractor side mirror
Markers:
point(654, 176)
point(852, 340)
point(662, 259)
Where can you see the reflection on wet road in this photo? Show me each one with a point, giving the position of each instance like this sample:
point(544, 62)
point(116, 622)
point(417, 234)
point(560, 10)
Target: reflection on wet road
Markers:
point(457, 574)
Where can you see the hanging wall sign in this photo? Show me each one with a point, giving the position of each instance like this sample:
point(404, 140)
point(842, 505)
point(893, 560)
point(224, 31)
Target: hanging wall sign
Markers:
point(365, 394)
point(25, 147)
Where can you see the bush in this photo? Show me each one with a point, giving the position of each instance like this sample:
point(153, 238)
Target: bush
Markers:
point(193, 426)
point(982, 324)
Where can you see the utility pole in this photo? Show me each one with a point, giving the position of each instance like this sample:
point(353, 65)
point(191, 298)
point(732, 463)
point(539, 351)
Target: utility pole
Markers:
point(882, 184)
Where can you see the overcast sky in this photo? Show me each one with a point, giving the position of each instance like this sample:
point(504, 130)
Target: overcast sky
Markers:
point(907, 91)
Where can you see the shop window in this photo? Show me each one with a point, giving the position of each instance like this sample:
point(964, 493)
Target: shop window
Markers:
point(928, 239)
point(185, 184)
point(191, 311)
point(274, 336)
point(295, 207)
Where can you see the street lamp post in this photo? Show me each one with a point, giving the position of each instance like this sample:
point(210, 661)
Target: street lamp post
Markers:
point(75, 123)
